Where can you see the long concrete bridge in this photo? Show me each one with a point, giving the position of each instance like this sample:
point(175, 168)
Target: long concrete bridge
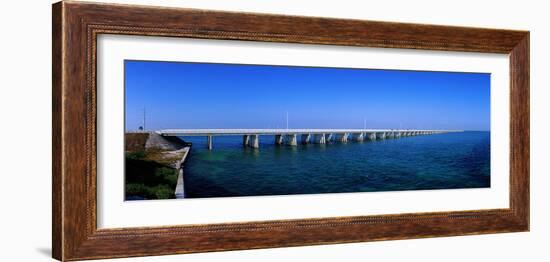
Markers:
point(251, 137)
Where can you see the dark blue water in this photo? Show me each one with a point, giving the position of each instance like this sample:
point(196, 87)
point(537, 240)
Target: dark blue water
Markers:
point(440, 161)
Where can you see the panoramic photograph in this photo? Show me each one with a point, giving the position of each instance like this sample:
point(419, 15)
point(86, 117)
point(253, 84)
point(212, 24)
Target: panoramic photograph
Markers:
point(203, 130)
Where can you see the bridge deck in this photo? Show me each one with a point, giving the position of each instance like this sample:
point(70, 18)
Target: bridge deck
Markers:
point(228, 132)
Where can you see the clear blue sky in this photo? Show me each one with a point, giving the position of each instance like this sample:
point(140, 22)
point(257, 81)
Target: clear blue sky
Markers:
point(201, 95)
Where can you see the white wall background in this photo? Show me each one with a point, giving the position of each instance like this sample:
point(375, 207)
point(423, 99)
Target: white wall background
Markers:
point(25, 94)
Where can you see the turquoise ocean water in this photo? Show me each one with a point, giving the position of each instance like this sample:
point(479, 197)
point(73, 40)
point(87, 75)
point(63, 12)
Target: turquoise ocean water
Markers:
point(439, 161)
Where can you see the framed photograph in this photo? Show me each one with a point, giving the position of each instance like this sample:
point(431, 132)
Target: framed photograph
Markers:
point(182, 130)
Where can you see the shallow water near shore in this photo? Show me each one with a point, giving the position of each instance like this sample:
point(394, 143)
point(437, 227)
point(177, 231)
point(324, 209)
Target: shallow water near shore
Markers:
point(438, 161)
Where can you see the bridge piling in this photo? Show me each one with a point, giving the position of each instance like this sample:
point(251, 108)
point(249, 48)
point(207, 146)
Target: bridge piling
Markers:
point(246, 139)
point(319, 139)
point(254, 141)
point(305, 139)
point(371, 136)
point(209, 138)
point(291, 140)
point(278, 139)
point(343, 137)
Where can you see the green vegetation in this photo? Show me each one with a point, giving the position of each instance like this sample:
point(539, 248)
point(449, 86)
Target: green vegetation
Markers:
point(149, 179)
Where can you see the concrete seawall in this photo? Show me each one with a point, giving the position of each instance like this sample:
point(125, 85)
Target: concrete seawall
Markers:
point(156, 141)
point(180, 186)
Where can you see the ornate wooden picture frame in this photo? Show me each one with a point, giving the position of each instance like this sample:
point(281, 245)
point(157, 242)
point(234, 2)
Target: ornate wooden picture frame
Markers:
point(76, 26)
